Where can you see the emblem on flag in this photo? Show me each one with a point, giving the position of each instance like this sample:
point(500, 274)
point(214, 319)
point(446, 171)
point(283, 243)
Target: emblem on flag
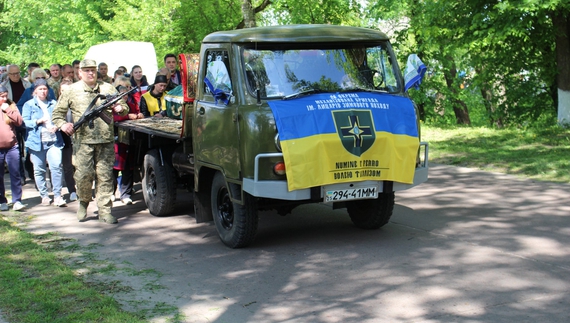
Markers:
point(355, 129)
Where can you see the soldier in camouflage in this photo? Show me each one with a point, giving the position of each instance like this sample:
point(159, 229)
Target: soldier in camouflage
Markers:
point(93, 149)
point(55, 78)
point(104, 69)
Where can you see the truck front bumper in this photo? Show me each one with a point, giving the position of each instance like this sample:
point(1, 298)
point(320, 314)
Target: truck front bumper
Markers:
point(279, 190)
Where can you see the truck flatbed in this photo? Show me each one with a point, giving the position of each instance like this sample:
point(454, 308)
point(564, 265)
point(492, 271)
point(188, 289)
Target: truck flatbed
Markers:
point(159, 127)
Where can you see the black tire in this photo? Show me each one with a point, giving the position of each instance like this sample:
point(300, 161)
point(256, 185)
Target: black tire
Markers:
point(236, 224)
point(371, 214)
point(158, 185)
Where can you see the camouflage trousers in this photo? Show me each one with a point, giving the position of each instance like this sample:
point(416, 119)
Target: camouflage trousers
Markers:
point(94, 162)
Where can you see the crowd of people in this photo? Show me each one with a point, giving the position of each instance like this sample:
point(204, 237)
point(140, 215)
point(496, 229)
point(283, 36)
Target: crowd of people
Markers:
point(38, 136)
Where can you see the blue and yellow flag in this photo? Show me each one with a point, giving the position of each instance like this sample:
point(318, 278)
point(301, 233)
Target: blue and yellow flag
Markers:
point(347, 137)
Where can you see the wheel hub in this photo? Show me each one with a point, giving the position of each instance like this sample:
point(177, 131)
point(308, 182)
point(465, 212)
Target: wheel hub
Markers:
point(151, 184)
point(225, 210)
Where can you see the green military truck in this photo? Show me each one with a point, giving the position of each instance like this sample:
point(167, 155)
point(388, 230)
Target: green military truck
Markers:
point(284, 116)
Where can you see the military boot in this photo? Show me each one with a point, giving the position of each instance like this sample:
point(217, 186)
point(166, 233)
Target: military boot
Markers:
point(107, 218)
point(82, 211)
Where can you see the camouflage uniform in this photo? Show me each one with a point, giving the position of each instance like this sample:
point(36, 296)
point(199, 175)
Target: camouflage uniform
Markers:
point(107, 79)
point(55, 85)
point(93, 149)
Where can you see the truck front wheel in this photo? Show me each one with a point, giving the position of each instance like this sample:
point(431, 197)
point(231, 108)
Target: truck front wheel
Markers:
point(236, 224)
point(371, 214)
point(158, 185)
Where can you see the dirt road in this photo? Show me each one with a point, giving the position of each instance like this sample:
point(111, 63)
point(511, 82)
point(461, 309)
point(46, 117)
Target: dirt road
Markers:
point(467, 246)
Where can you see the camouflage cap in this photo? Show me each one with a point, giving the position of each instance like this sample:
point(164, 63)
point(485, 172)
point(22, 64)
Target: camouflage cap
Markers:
point(87, 63)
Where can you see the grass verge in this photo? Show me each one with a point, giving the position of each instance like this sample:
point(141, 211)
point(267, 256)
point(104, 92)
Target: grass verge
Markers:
point(540, 154)
point(35, 286)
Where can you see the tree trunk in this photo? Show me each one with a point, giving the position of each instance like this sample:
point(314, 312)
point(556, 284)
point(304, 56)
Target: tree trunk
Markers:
point(459, 107)
point(461, 112)
point(248, 14)
point(490, 107)
point(562, 27)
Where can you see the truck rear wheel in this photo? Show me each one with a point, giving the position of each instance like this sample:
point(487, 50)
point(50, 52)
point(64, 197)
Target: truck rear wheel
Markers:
point(158, 185)
point(236, 224)
point(371, 214)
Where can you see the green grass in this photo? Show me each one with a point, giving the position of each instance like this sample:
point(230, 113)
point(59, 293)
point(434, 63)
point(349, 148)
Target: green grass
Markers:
point(35, 286)
point(541, 154)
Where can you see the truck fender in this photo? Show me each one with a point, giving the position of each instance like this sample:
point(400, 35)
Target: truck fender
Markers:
point(202, 196)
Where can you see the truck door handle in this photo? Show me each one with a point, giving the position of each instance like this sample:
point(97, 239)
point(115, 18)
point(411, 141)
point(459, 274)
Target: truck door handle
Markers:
point(201, 110)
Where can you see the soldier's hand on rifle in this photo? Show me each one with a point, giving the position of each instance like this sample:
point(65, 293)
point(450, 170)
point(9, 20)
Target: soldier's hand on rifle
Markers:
point(67, 128)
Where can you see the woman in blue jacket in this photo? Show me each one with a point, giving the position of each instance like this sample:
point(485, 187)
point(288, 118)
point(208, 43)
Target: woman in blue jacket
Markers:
point(44, 142)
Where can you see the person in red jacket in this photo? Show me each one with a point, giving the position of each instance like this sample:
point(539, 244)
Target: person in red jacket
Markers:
point(9, 150)
point(138, 79)
point(123, 159)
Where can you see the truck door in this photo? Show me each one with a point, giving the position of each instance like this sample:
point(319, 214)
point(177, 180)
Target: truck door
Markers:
point(216, 136)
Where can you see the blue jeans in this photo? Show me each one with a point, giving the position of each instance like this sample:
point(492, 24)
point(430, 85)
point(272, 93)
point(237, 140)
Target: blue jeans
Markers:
point(52, 156)
point(12, 157)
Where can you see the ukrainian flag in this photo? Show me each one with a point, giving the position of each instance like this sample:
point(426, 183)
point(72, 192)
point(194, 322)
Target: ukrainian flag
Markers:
point(346, 137)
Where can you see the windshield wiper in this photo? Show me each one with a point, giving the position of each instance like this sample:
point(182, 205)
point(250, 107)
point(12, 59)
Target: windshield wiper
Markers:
point(303, 92)
point(354, 89)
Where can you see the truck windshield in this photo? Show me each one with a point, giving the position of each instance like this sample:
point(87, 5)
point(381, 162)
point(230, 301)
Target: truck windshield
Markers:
point(279, 73)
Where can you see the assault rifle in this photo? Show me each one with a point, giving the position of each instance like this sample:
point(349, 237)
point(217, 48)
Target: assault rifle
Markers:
point(93, 112)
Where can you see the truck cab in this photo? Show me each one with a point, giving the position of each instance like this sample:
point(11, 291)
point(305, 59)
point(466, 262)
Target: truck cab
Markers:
point(289, 115)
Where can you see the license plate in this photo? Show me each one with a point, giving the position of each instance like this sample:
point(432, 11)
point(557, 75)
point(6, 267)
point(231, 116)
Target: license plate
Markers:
point(351, 194)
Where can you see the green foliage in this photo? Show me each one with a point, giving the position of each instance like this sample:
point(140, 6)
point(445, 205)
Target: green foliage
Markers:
point(471, 95)
point(515, 57)
point(45, 33)
point(505, 49)
point(147, 21)
point(196, 19)
point(336, 12)
point(61, 31)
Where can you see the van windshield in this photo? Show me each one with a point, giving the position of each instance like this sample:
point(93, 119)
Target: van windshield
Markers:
point(279, 73)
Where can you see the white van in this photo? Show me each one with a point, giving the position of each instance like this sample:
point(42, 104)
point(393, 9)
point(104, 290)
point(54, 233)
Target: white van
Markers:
point(127, 54)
